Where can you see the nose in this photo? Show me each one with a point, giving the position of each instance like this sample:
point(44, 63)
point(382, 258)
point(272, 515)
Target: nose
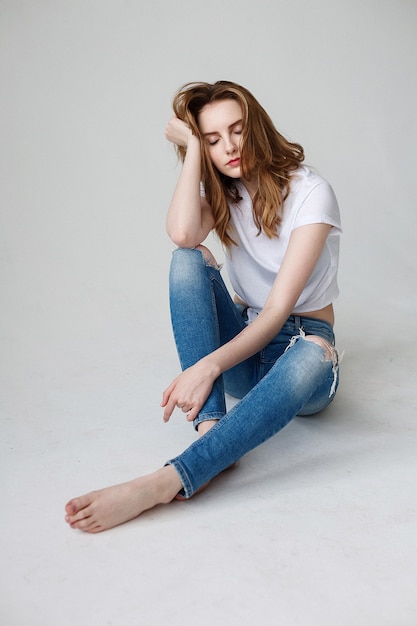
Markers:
point(230, 145)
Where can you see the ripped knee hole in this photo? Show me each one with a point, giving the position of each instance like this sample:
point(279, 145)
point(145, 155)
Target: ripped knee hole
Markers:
point(208, 257)
point(329, 350)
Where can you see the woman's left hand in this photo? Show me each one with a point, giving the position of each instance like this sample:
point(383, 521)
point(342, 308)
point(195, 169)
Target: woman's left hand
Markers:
point(188, 391)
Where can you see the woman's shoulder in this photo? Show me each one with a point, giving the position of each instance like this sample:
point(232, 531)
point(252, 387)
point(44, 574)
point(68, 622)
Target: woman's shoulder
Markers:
point(311, 199)
point(305, 178)
point(307, 184)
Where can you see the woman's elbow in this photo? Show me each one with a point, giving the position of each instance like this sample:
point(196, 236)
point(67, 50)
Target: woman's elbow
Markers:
point(183, 239)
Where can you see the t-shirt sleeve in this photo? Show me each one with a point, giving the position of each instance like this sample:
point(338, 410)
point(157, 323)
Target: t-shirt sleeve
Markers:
point(319, 206)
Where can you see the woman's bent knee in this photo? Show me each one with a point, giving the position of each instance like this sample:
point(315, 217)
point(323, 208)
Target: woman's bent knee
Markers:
point(189, 255)
point(189, 263)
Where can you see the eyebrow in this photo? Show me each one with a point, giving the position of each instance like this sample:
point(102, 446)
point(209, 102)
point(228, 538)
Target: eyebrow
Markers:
point(216, 132)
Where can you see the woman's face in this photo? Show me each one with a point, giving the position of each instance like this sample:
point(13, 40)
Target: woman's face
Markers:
point(220, 123)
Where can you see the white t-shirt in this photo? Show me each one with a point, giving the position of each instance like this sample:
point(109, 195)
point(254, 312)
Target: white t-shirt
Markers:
point(253, 264)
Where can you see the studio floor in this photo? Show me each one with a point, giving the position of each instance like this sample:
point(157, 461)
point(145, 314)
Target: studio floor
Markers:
point(316, 527)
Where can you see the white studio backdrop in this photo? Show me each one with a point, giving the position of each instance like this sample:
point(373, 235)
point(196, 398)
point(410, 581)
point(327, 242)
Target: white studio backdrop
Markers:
point(86, 174)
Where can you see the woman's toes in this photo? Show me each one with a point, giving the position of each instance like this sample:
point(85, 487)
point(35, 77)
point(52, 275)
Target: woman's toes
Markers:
point(80, 518)
point(70, 508)
point(78, 505)
point(82, 524)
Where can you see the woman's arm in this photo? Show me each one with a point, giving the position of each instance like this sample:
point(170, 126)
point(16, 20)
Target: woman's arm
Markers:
point(304, 249)
point(192, 387)
point(189, 218)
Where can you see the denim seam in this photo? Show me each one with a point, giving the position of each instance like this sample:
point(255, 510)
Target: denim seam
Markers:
point(214, 307)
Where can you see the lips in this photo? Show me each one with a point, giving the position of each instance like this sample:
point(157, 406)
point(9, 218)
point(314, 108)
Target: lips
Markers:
point(234, 162)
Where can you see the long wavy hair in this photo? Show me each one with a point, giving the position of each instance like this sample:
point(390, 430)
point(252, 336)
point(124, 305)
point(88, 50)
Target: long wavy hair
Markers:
point(265, 156)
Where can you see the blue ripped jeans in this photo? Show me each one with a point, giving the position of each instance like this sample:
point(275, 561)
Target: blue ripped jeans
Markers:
point(289, 377)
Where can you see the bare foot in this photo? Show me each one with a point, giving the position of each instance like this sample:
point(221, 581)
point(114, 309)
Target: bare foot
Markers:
point(104, 509)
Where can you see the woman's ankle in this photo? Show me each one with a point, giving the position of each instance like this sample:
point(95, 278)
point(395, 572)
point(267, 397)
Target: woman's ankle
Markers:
point(167, 483)
point(205, 426)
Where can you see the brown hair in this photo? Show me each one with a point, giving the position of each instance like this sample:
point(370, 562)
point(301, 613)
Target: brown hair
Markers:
point(266, 156)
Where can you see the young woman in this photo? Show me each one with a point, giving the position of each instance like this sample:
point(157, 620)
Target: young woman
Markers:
point(272, 345)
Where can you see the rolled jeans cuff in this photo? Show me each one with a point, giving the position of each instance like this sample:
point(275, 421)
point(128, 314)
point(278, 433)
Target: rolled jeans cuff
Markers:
point(205, 417)
point(187, 490)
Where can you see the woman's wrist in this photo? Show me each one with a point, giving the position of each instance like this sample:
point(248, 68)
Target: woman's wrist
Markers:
point(193, 141)
point(212, 368)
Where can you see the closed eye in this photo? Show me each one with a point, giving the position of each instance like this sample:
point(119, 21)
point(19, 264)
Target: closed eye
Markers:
point(236, 128)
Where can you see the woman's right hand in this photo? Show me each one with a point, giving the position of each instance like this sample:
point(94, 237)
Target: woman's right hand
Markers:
point(178, 132)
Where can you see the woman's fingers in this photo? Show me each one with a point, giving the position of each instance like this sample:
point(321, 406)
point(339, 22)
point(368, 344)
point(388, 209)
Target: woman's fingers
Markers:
point(170, 402)
point(177, 131)
point(171, 399)
point(192, 414)
point(188, 392)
